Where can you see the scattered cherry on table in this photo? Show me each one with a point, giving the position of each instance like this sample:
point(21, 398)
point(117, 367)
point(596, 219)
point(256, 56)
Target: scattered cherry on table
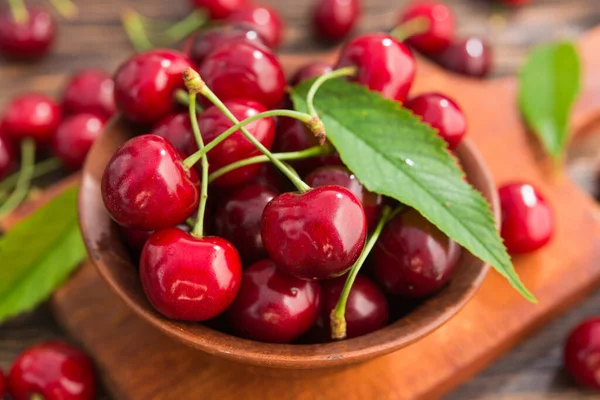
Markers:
point(581, 355)
point(74, 139)
point(32, 115)
point(471, 56)
point(334, 19)
point(27, 40)
point(440, 25)
point(90, 91)
point(218, 9)
point(263, 19)
point(209, 40)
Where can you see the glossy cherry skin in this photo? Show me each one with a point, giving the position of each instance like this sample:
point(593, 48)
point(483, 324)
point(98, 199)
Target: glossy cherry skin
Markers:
point(53, 370)
point(263, 19)
point(90, 91)
point(581, 354)
point(209, 40)
point(145, 84)
point(469, 56)
point(441, 25)
point(273, 306)
point(527, 219)
point(334, 19)
point(270, 177)
point(74, 139)
point(8, 155)
point(146, 186)
point(384, 64)
point(213, 122)
point(309, 71)
point(367, 309)
point(187, 278)
point(412, 258)
point(218, 9)
point(443, 114)
point(177, 129)
point(315, 235)
point(239, 219)
point(32, 115)
point(241, 70)
point(136, 239)
point(30, 40)
point(338, 175)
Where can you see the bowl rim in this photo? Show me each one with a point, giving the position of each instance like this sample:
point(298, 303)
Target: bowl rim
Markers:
point(298, 356)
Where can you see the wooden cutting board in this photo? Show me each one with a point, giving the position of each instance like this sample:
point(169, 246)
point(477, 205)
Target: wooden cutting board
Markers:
point(137, 362)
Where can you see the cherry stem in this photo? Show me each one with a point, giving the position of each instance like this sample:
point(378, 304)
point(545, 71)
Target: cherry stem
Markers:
point(182, 29)
point(36, 396)
point(315, 151)
point(337, 317)
point(412, 27)
point(19, 11)
point(134, 27)
point(193, 159)
point(24, 181)
point(310, 97)
point(66, 8)
point(183, 98)
point(41, 168)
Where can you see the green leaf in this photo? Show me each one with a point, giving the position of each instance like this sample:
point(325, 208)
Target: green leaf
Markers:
point(548, 86)
point(393, 153)
point(38, 255)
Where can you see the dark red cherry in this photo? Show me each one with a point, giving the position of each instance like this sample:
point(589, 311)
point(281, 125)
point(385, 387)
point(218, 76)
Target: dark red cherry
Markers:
point(516, 2)
point(3, 385)
point(443, 114)
point(177, 129)
point(293, 135)
point(263, 19)
point(440, 25)
point(90, 91)
point(146, 186)
point(8, 155)
point(469, 56)
point(384, 64)
point(241, 70)
point(209, 40)
point(413, 258)
point(239, 219)
point(53, 371)
point(315, 235)
point(582, 353)
point(32, 115)
point(187, 278)
point(527, 219)
point(334, 19)
point(136, 239)
point(145, 83)
point(32, 39)
point(218, 9)
point(337, 175)
point(270, 177)
point(310, 70)
point(367, 308)
point(74, 138)
point(213, 122)
point(273, 306)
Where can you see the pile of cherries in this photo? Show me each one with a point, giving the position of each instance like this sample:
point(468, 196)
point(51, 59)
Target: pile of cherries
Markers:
point(50, 370)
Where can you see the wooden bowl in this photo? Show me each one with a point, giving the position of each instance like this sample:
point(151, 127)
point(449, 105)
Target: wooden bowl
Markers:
point(109, 254)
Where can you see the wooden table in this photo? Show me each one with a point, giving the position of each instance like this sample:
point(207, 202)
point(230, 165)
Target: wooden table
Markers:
point(96, 40)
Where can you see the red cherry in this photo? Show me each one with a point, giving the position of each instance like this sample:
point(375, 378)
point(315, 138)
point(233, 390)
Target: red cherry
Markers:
point(207, 41)
point(384, 64)
point(337, 175)
point(582, 353)
point(54, 371)
point(242, 70)
point(412, 258)
point(516, 2)
point(187, 278)
point(145, 83)
point(470, 56)
point(315, 235)
point(146, 186)
point(334, 19)
point(32, 115)
point(239, 219)
point(366, 309)
point(441, 25)
point(29, 40)
point(2, 385)
point(177, 129)
point(218, 9)
point(263, 19)
point(136, 239)
point(443, 114)
point(527, 219)
point(273, 306)
point(213, 122)
point(8, 155)
point(309, 71)
point(90, 91)
point(270, 177)
point(74, 139)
